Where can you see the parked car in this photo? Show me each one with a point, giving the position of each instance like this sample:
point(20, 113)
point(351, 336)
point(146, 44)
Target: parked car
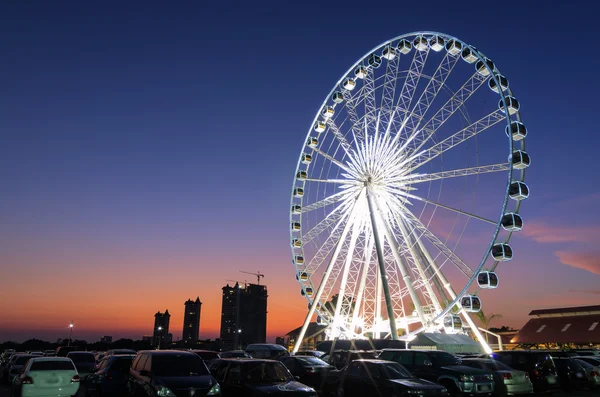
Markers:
point(206, 355)
point(109, 377)
point(587, 352)
point(119, 351)
point(16, 365)
point(593, 372)
point(443, 368)
point(589, 359)
point(170, 373)
point(84, 361)
point(383, 378)
point(507, 380)
point(234, 354)
point(314, 353)
point(266, 350)
point(36, 353)
point(309, 370)
point(46, 376)
point(571, 375)
point(7, 364)
point(100, 355)
point(241, 377)
point(62, 351)
point(50, 353)
point(539, 365)
point(341, 358)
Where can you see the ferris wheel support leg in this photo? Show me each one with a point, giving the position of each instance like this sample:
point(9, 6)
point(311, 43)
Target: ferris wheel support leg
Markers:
point(361, 287)
point(452, 295)
point(338, 248)
point(384, 282)
point(404, 271)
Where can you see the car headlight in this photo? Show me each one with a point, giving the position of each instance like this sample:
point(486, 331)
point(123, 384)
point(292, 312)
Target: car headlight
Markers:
point(164, 391)
point(215, 390)
point(491, 377)
point(466, 378)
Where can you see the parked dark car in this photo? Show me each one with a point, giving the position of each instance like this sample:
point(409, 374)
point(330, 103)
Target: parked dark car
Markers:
point(571, 375)
point(84, 361)
point(62, 351)
point(309, 370)
point(112, 352)
point(538, 365)
point(341, 358)
point(109, 377)
point(241, 377)
point(17, 362)
point(314, 353)
point(206, 355)
point(170, 373)
point(266, 350)
point(234, 354)
point(443, 368)
point(383, 378)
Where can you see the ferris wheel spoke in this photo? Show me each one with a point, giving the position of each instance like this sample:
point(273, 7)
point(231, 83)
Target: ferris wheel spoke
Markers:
point(455, 103)
point(425, 156)
point(334, 198)
point(408, 91)
point(348, 182)
point(446, 207)
point(369, 103)
point(334, 216)
point(436, 82)
point(417, 225)
point(352, 115)
point(389, 90)
point(333, 160)
point(420, 178)
point(339, 136)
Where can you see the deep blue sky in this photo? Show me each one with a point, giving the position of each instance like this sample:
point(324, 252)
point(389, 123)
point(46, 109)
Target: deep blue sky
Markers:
point(168, 130)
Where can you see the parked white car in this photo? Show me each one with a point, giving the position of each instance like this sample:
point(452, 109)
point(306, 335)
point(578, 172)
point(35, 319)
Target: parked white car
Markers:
point(46, 376)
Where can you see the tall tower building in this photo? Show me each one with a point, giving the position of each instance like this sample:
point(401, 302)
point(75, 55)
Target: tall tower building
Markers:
point(191, 321)
point(161, 328)
point(243, 315)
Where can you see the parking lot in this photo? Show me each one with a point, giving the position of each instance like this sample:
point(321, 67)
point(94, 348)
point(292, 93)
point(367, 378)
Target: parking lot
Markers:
point(5, 392)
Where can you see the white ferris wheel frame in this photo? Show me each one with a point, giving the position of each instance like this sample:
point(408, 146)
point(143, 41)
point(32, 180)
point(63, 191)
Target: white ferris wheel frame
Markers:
point(379, 226)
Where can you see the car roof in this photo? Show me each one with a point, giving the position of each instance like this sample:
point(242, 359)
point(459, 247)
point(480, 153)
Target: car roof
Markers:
point(246, 360)
point(51, 359)
point(168, 352)
point(374, 361)
point(203, 351)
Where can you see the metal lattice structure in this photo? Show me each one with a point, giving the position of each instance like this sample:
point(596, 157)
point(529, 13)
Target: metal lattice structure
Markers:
point(407, 190)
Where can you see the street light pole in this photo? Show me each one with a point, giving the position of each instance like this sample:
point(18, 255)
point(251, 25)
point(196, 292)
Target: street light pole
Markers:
point(159, 329)
point(70, 332)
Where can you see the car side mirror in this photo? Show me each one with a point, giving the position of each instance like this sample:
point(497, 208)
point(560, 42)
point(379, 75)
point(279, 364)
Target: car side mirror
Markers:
point(427, 363)
point(146, 373)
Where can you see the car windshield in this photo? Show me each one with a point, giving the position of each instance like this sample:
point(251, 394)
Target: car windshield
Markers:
point(395, 371)
point(52, 365)
point(178, 365)
point(442, 359)
point(82, 357)
point(311, 361)
point(122, 363)
point(583, 364)
point(497, 366)
point(266, 372)
point(22, 360)
point(207, 355)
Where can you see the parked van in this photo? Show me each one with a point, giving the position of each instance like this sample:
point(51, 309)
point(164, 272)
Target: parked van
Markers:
point(266, 350)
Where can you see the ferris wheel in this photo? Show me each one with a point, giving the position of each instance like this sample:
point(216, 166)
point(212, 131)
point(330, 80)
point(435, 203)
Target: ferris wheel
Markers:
point(407, 190)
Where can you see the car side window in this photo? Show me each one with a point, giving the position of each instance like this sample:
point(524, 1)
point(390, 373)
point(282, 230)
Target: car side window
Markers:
point(220, 372)
point(234, 374)
point(420, 359)
point(136, 361)
point(404, 358)
point(148, 363)
point(354, 369)
point(141, 363)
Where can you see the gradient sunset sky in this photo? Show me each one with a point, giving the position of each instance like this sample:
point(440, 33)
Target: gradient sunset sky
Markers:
point(148, 150)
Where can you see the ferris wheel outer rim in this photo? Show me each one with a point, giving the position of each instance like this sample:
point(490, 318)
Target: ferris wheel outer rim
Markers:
point(503, 97)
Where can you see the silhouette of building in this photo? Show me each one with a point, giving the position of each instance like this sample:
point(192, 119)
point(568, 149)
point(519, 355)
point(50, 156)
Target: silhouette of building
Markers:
point(106, 339)
point(243, 315)
point(191, 321)
point(160, 335)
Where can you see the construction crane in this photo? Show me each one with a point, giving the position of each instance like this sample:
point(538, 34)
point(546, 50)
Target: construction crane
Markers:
point(258, 275)
point(238, 282)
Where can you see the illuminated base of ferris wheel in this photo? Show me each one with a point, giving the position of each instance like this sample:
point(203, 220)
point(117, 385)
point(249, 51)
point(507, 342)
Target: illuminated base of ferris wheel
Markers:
point(381, 329)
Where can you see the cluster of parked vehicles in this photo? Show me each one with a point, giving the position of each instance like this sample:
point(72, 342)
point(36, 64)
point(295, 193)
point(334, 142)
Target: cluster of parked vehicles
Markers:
point(266, 369)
